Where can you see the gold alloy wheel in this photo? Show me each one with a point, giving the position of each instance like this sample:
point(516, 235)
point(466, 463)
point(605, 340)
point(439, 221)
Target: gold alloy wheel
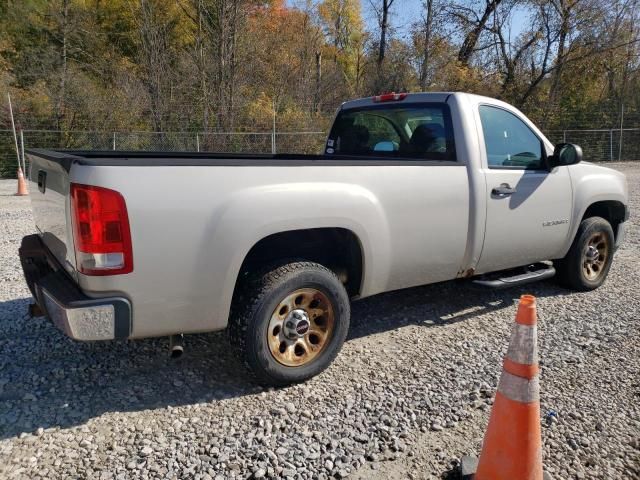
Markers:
point(300, 327)
point(595, 256)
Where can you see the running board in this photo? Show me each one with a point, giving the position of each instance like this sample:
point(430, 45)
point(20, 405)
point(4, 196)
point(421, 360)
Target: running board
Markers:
point(516, 276)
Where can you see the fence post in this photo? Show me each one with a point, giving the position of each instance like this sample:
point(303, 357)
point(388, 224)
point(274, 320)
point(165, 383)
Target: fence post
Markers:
point(621, 124)
point(197, 142)
point(114, 140)
point(564, 136)
point(24, 162)
point(611, 145)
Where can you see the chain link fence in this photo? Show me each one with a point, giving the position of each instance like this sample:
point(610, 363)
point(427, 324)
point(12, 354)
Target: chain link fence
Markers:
point(601, 145)
point(228, 142)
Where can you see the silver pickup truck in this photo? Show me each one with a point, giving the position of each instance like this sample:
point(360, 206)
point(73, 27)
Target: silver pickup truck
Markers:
point(410, 189)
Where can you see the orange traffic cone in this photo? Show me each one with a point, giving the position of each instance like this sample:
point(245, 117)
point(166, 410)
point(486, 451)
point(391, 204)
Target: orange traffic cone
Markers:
point(512, 445)
point(22, 185)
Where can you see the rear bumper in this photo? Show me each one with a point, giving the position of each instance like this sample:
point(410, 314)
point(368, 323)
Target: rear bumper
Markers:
point(77, 315)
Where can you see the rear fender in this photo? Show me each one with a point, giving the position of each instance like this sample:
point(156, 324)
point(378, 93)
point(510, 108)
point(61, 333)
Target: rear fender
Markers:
point(255, 213)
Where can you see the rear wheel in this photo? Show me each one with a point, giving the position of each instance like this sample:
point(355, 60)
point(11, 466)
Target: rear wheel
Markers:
point(587, 264)
point(289, 323)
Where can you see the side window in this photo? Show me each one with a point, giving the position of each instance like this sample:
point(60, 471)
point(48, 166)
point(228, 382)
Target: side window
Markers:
point(509, 141)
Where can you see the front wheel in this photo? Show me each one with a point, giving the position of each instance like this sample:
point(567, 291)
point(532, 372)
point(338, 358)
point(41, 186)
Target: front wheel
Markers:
point(586, 265)
point(289, 323)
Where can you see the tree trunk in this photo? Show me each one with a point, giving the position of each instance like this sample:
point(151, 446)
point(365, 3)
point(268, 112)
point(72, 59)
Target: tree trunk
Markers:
point(203, 73)
point(559, 62)
point(231, 75)
point(471, 40)
point(428, 24)
point(337, 25)
point(61, 104)
point(316, 96)
point(359, 63)
point(384, 25)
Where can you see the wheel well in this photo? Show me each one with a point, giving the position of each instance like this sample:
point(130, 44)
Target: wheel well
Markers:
point(336, 248)
point(612, 211)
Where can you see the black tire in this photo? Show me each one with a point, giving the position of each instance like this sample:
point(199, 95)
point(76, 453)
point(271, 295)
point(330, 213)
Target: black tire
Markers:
point(571, 270)
point(254, 307)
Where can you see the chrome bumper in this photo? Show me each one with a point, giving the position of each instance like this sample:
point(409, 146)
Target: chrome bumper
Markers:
point(77, 315)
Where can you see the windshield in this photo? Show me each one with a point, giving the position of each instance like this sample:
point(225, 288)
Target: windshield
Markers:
point(419, 131)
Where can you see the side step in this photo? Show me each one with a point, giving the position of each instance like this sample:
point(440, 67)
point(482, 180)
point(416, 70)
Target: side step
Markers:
point(516, 276)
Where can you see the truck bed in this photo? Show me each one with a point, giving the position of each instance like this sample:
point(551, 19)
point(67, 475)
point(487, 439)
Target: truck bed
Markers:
point(192, 228)
point(123, 158)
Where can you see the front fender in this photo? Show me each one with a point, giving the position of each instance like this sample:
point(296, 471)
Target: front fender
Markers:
point(591, 184)
point(251, 214)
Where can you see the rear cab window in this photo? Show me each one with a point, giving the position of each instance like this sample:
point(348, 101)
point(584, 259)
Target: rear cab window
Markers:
point(420, 131)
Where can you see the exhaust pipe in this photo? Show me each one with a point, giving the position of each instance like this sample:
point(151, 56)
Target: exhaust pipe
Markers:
point(176, 345)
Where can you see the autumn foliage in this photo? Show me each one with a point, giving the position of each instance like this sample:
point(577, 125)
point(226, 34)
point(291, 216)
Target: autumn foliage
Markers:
point(228, 65)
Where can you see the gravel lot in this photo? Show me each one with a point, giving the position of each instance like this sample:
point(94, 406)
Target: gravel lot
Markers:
point(409, 394)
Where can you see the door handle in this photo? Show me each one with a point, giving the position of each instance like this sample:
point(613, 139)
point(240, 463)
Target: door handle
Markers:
point(504, 190)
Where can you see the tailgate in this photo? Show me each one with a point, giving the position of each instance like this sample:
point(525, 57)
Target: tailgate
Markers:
point(49, 192)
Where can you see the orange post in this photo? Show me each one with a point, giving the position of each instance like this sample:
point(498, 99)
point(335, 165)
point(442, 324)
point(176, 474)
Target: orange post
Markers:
point(22, 185)
point(512, 445)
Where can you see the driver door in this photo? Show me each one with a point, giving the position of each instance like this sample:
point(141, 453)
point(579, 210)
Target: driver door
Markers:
point(528, 206)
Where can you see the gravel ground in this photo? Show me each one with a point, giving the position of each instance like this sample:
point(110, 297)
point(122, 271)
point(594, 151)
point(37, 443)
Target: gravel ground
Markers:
point(409, 394)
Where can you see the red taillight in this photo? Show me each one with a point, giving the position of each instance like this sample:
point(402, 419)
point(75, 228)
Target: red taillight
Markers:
point(389, 97)
point(101, 231)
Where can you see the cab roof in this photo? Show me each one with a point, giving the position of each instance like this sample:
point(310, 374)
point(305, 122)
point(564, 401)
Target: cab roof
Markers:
point(405, 98)
point(410, 98)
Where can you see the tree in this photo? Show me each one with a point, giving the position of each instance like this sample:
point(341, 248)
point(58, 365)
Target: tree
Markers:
point(382, 13)
point(225, 64)
point(473, 22)
point(344, 29)
point(426, 39)
point(156, 27)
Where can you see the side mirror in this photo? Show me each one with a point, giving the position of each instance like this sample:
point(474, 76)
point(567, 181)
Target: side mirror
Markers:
point(565, 154)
